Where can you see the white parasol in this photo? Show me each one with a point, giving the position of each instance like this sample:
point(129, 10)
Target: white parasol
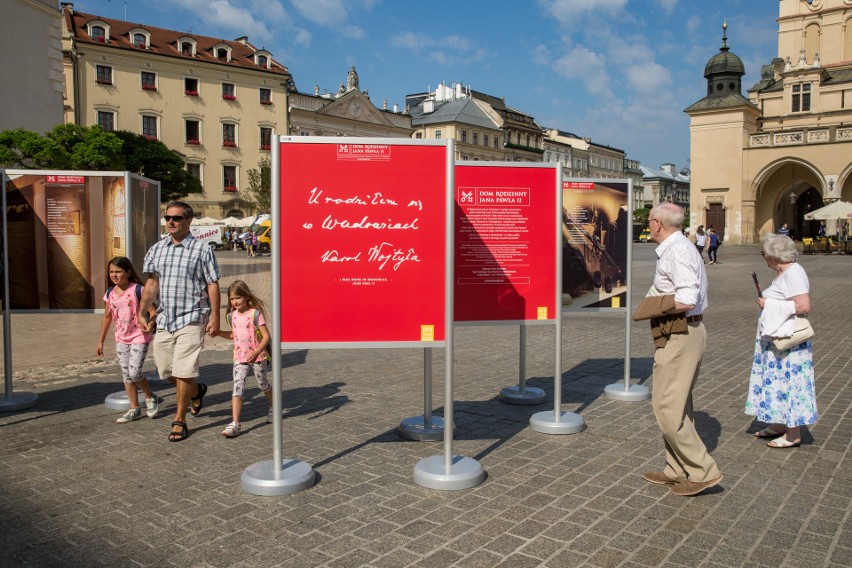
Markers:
point(836, 210)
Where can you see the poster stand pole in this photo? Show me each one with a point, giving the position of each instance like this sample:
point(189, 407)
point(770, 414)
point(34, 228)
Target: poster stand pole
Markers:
point(558, 422)
point(10, 401)
point(426, 427)
point(629, 390)
point(449, 472)
point(522, 394)
point(277, 476)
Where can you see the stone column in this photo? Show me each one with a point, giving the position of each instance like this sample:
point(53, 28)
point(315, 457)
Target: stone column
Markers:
point(748, 230)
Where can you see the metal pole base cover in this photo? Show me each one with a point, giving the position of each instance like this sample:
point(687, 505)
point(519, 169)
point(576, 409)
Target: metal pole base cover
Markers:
point(119, 400)
point(616, 391)
point(529, 396)
point(464, 473)
point(259, 478)
point(17, 401)
point(415, 428)
point(545, 422)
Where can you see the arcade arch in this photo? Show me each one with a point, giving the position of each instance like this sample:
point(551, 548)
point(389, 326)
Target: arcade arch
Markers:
point(784, 191)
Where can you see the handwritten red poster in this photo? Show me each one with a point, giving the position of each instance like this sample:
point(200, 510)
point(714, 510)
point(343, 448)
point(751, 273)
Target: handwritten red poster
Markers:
point(505, 243)
point(363, 242)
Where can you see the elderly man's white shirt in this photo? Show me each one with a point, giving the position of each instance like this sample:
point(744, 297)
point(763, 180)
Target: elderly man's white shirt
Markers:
point(680, 271)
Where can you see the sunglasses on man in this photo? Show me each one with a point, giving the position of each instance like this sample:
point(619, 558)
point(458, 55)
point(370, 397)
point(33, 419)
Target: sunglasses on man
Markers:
point(175, 218)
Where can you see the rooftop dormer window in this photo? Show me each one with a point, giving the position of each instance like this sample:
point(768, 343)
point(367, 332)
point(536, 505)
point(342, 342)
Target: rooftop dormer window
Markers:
point(222, 53)
point(262, 61)
point(186, 46)
point(141, 39)
point(98, 31)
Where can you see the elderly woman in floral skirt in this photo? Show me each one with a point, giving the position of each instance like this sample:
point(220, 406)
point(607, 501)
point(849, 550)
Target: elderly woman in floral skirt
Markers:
point(781, 386)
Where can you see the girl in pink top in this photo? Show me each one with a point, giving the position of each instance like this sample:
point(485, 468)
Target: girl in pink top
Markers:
point(131, 345)
point(251, 336)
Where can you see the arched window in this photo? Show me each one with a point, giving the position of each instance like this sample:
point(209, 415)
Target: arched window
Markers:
point(263, 61)
point(140, 41)
point(98, 33)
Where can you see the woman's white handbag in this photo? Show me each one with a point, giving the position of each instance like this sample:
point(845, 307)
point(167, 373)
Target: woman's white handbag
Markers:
point(802, 331)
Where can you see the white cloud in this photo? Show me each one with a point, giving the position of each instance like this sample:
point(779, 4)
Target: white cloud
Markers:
point(227, 15)
point(329, 14)
point(667, 6)
point(449, 50)
point(571, 12)
point(586, 66)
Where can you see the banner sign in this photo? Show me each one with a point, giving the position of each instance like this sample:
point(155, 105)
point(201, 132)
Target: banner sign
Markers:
point(505, 242)
point(596, 231)
point(63, 227)
point(363, 241)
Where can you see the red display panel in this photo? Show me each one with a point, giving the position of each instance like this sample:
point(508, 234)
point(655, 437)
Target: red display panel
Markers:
point(363, 242)
point(505, 243)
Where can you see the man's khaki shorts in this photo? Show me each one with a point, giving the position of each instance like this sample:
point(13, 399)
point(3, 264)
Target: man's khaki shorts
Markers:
point(177, 354)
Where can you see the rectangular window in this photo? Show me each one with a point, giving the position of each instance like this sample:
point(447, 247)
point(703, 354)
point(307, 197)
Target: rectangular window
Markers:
point(104, 75)
point(193, 132)
point(140, 41)
point(99, 34)
point(228, 92)
point(229, 178)
point(149, 127)
point(437, 135)
point(265, 138)
point(496, 141)
point(194, 170)
point(476, 138)
point(106, 120)
point(464, 136)
point(190, 87)
point(801, 97)
point(485, 140)
point(229, 135)
point(149, 81)
point(265, 96)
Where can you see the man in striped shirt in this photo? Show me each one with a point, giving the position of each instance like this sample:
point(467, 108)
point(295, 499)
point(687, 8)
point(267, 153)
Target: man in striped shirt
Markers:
point(183, 272)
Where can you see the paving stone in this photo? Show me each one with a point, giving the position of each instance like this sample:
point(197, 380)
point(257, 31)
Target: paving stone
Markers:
point(548, 501)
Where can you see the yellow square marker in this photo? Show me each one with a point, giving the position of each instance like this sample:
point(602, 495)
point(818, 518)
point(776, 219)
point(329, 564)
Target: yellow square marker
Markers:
point(427, 333)
point(616, 301)
point(542, 312)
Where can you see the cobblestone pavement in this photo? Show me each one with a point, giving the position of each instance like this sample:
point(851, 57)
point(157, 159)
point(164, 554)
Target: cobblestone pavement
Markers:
point(77, 489)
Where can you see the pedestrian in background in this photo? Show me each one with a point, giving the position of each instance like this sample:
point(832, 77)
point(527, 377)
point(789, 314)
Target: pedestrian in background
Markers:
point(713, 242)
point(183, 273)
point(700, 241)
point(784, 230)
point(679, 273)
point(124, 290)
point(781, 386)
point(247, 242)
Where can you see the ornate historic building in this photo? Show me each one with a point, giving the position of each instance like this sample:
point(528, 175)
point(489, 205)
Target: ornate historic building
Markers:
point(348, 112)
point(481, 124)
point(768, 159)
point(216, 102)
point(665, 184)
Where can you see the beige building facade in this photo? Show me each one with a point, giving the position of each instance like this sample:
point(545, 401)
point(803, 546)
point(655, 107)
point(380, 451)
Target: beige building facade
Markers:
point(31, 97)
point(786, 149)
point(215, 102)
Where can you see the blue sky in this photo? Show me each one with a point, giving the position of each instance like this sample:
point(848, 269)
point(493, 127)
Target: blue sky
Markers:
point(618, 71)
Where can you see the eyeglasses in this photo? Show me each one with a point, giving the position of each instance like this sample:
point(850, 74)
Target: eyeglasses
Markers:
point(175, 218)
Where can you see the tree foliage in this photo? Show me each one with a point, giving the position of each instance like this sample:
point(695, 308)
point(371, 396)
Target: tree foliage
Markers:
point(259, 186)
point(153, 159)
point(73, 147)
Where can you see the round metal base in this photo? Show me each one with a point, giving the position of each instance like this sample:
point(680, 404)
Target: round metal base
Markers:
point(530, 395)
point(415, 428)
point(635, 393)
point(464, 473)
point(119, 400)
point(17, 401)
point(259, 478)
point(545, 422)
